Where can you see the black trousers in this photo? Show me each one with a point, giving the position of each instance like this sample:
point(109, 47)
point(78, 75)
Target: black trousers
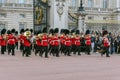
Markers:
point(45, 49)
point(11, 49)
point(105, 50)
point(21, 47)
point(27, 51)
point(56, 51)
point(77, 49)
point(3, 49)
point(88, 49)
point(38, 49)
point(67, 50)
point(16, 45)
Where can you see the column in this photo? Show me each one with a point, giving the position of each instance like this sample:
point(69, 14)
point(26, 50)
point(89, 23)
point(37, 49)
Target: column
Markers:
point(80, 24)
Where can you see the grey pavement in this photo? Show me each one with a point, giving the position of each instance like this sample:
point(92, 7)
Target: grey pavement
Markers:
point(84, 67)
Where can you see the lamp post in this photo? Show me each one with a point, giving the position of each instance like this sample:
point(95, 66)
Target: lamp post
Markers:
point(81, 14)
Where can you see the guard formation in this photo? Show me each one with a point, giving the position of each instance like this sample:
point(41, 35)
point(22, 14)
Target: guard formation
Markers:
point(43, 43)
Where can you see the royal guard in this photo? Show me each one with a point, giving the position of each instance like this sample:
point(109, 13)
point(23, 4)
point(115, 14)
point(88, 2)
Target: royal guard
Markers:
point(27, 43)
point(67, 43)
point(77, 42)
point(11, 43)
point(73, 41)
point(88, 42)
point(44, 43)
point(50, 41)
point(106, 44)
point(3, 41)
point(62, 40)
point(16, 39)
point(21, 38)
point(56, 43)
point(38, 48)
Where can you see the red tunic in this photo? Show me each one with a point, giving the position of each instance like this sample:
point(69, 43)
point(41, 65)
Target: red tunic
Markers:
point(38, 42)
point(106, 42)
point(67, 41)
point(2, 41)
point(73, 41)
point(44, 40)
point(55, 41)
point(88, 41)
point(11, 39)
point(27, 42)
point(77, 41)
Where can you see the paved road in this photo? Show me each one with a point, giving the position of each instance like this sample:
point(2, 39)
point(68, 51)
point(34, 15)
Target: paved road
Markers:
point(93, 67)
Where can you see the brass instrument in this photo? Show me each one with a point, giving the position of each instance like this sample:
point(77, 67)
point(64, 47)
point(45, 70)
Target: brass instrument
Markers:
point(27, 34)
point(5, 37)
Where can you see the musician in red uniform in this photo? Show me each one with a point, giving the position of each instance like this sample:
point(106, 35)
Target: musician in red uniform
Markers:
point(38, 48)
point(56, 43)
point(50, 41)
point(21, 38)
point(45, 43)
point(73, 41)
point(3, 40)
point(77, 42)
point(88, 41)
point(11, 43)
point(62, 36)
point(67, 43)
point(106, 44)
point(27, 43)
point(16, 39)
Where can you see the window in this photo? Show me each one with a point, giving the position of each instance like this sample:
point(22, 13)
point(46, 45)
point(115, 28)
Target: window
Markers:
point(90, 18)
point(3, 1)
point(22, 16)
point(21, 26)
point(21, 1)
point(90, 3)
point(74, 3)
point(2, 15)
point(105, 3)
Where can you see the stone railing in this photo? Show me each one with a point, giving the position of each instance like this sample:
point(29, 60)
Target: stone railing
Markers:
point(74, 9)
point(15, 5)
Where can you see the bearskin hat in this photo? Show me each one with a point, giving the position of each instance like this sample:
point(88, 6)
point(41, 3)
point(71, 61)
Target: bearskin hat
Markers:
point(67, 31)
point(21, 31)
point(39, 32)
point(13, 31)
point(105, 32)
point(16, 32)
point(87, 32)
point(72, 31)
point(31, 30)
point(61, 31)
point(56, 30)
point(8, 32)
point(51, 31)
point(27, 29)
point(3, 31)
point(77, 32)
point(44, 30)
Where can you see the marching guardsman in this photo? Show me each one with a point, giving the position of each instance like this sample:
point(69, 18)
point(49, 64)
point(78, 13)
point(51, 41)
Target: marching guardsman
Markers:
point(56, 43)
point(44, 43)
point(77, 42)
point(3, 41)
point(27, 43)
point(11, 43)
point(51, 33)
point(67, 43)
point(38, 48)
point(16, 39)
point(73, 41)
point(88, 41)
point(62, 40)
point(106, 44)
point(21, 38)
